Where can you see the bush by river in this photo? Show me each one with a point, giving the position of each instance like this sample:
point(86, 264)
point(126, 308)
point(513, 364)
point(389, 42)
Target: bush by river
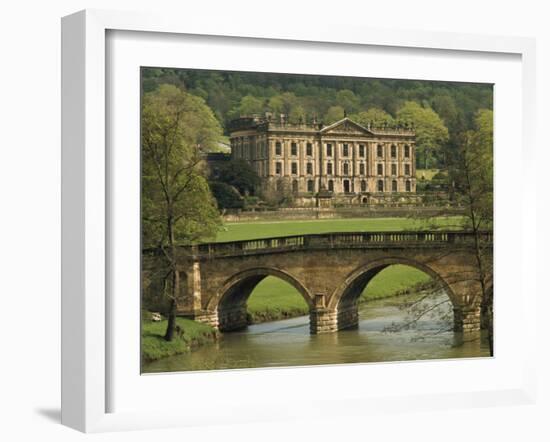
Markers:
point(189, 334)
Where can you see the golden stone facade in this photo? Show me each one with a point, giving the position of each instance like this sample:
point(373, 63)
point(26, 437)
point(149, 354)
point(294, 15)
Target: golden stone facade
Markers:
point(344, 159)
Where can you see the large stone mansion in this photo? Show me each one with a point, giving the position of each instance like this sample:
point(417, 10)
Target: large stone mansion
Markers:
point(344, 160)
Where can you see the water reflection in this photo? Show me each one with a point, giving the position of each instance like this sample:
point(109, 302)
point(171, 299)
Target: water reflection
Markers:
point(288, 343)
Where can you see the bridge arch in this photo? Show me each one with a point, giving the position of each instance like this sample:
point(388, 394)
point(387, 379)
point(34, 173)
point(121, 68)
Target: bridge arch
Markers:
point(344, 299)
point(230, 300)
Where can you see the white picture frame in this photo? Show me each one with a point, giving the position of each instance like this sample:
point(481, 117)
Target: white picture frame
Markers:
point(86, 205)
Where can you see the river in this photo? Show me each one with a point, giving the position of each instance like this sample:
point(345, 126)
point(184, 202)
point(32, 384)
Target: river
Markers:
point(289, 343)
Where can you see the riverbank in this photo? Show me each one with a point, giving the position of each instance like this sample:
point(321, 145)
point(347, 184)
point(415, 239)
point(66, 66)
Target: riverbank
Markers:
point(289, 343)
point(274, 299)
point(189, 335)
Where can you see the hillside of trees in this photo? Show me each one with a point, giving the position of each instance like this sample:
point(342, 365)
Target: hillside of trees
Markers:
point(441, 111)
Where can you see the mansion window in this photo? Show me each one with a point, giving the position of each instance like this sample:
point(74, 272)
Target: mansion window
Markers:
point(329, 168)
point(346, 186)
point(346, 169)
point(380, 169)
point(362, 150)
point(293, 149)
point(329, 150)
point(278, 148)
point(310, 185)
point(278, 168)
point(345, 150)
point(393, 151)
point(379, 151)
point(294, 186)
point(309, 168)
point(407, 169)
point(331, 185)
point(309, 149)
point(394, 186)
point(363, 186)
point(380, 185)
point(294, 168)
point(361, 168)
point(407, 153)
point(394, 169)
point(408, 185)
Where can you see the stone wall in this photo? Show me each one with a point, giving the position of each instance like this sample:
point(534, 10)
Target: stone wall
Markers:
point(335, 213)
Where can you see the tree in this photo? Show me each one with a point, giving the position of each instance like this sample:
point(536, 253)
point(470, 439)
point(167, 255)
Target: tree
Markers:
point(431, 133)
point(374, 116)
point(348, 100)
point(297, 115)
point(251, 105)
point(177, 206)
point(471, 174)
point(334, 113)
point(239, 174)
point(227, 196)
point(472, 177)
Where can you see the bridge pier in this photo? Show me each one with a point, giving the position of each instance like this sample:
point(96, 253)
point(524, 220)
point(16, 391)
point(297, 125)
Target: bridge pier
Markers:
point(206, 317)
point(231, 319)
point(322, 320)
point(467, 319)
point(348, 317)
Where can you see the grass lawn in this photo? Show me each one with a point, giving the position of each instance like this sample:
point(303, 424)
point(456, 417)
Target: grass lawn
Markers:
point(256, 230)
point(153, 345)
point(274, 298)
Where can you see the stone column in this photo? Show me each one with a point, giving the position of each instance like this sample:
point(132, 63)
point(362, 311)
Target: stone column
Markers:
point(286, 157)
point(208, 317)
point(301, 156)
point(467, 319)
point(413, 160)
point(336, 168)
point(372, 164)
point(354, 173)
point(323, 320)
point(387, 167)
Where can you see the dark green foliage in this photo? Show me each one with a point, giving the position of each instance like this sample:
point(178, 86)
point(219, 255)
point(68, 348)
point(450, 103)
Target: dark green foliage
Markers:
point(227, 196)
point(239, 174)
point(231, 93)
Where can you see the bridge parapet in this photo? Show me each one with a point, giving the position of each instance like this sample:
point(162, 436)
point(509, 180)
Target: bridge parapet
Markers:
point(347, 240)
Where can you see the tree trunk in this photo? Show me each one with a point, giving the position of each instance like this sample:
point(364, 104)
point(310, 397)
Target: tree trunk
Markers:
point(175, 286)
point(487, 311)
point(169, 335)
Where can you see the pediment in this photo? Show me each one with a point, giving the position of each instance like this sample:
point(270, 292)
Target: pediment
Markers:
point(346, 126)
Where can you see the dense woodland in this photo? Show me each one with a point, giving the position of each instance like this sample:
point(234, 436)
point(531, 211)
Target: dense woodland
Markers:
point(441, 111)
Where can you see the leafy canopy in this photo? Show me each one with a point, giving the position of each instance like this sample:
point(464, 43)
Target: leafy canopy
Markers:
point(431, 132)
point(177, 206)
point(374, 116)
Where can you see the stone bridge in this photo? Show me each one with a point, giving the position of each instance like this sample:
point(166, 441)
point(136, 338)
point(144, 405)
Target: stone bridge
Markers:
point(329, 270)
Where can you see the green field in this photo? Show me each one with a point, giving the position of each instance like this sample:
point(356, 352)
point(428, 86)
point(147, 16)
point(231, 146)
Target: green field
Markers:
point(256, 230)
